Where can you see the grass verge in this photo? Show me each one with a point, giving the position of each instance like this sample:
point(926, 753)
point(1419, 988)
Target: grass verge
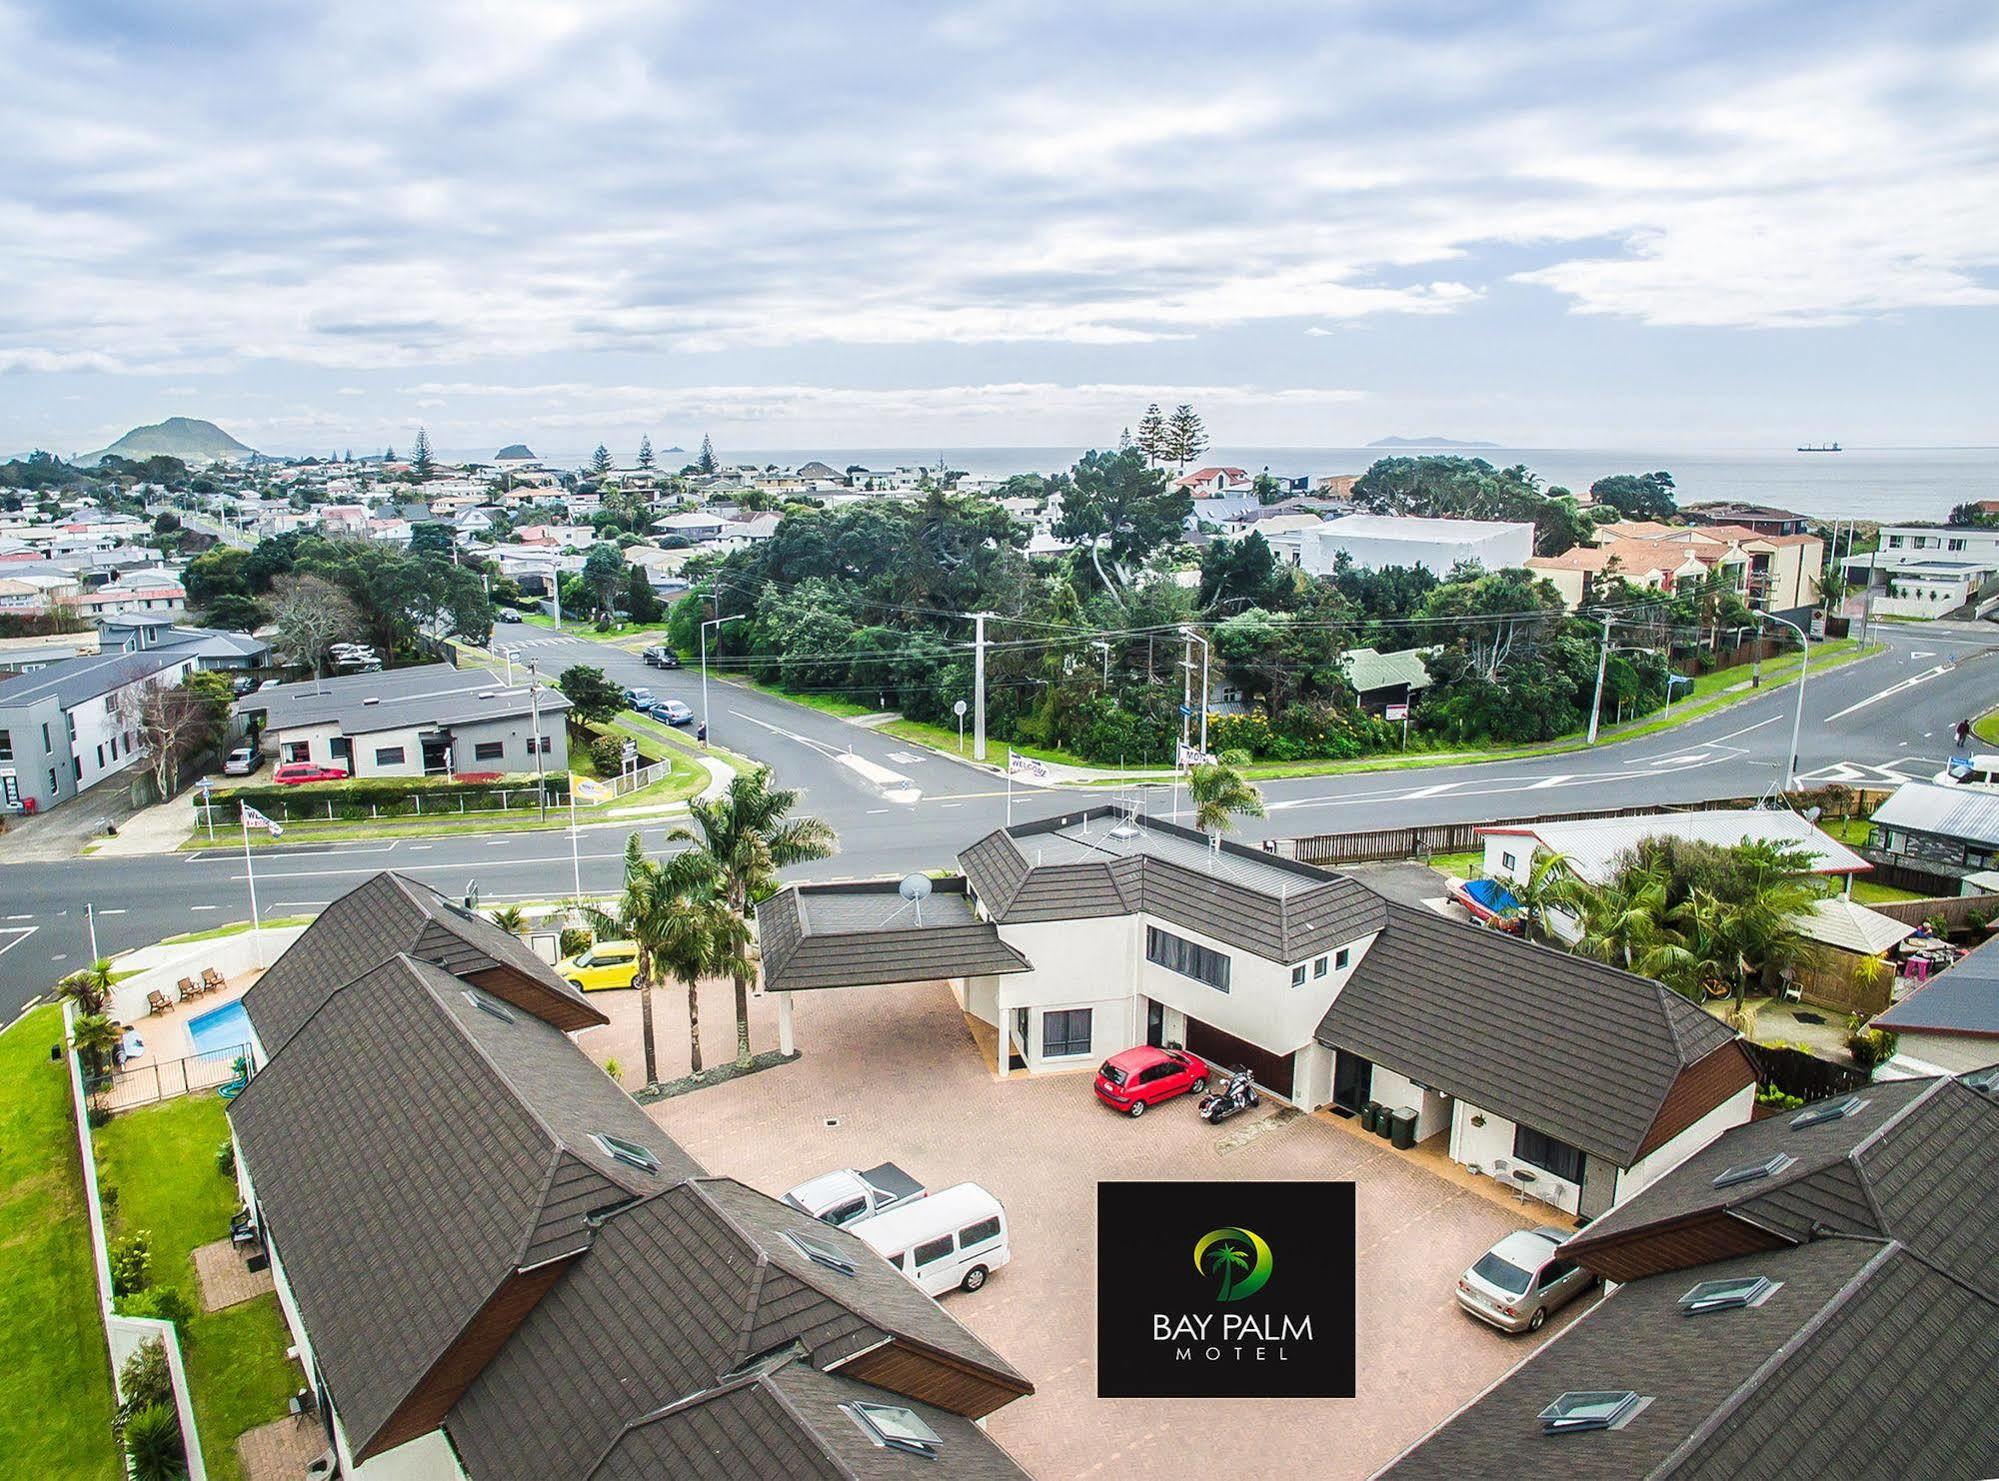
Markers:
point(162, 1162)
point(1986, 726)
point(57, 1418)
point(234, 928)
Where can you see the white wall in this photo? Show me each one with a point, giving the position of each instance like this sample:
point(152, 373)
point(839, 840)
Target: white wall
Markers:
point(1952, 1053)
point(1520, 846)
point(1079, 964)
point(1485, 1146)
point(98, 724)
point(1374, 548)
point(1432, 1108)
point(1669, 1155)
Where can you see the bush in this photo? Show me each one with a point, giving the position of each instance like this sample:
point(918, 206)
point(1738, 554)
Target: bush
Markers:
point(146, 1379)
point(107, 1196)
point(574, 939)
point(132, 1263)
point(153, 1444)
point(1870, 1046)
point(225, 1158)
point(162, 1303)
point(1770, 1095)
point(607, 755)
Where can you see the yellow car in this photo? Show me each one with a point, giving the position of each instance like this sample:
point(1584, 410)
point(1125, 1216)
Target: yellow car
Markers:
point(608, 964)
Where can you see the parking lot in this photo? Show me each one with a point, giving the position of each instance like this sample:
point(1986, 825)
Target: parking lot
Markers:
point(891, 1073)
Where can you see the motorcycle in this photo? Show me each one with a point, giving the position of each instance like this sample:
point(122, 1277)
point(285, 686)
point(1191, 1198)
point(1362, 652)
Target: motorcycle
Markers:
point(1238, 1094)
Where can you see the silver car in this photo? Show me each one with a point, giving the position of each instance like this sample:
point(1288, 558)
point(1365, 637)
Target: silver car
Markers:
point(1517, 1283)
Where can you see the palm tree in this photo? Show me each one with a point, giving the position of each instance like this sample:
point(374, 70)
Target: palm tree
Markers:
point(641, 915)
point(704, 937)
point(1222, 794)
point(95, 1038)
point(1623, 920)
point(747, 836)
point(511, 919)
point(1549, 885)
point(90, 986)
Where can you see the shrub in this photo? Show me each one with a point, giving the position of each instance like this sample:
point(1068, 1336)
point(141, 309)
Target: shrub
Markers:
point(574, 939)
point(615, 1070)
point(225, 1158)
point(146, 1379)
point(162, 1303)
point(153, 1444)
point(107, 1195)
point(1770, 1095)
point(132, 1263)
point(607, 755)
point(1871, 1046)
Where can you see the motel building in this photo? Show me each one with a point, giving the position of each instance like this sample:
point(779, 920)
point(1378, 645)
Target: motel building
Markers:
point(1074, 937)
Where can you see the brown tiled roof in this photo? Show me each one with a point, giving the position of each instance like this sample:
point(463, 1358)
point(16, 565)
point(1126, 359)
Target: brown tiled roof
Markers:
point(840, 935)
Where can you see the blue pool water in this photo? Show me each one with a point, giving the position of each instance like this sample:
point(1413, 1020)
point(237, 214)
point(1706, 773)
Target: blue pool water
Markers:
point(223, 1028)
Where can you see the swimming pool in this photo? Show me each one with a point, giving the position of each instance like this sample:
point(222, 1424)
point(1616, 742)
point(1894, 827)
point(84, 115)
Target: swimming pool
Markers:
point(224, 1028)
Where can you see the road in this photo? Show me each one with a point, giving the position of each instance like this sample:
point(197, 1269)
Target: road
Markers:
point(1873, 723)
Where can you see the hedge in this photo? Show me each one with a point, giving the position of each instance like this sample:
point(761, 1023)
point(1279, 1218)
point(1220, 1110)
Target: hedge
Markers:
point(387, 797)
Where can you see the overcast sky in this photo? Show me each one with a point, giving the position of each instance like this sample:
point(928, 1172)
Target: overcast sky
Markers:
point(1679, 225)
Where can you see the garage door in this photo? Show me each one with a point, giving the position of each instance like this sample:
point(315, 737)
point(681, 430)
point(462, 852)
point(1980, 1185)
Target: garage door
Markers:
point(1271, 1071)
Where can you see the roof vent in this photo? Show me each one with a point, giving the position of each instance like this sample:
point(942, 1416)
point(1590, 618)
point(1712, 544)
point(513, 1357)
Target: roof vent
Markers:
point(629, 1153)
point(820, 1254)
point(1749, 1172)
point(1727, 1295)
point(1985, 1082)
point(1832, 1110)
point(1590, 1409)
point(895, 1428)
point(488, 1005)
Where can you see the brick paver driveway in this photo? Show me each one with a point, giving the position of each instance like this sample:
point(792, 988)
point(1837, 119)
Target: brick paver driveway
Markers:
point(894, 1071)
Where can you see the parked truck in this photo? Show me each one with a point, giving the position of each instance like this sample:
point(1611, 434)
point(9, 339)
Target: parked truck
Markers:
point(842, 1196)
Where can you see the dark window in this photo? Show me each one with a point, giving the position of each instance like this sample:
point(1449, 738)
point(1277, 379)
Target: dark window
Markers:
point(489, 750)
point(1341, 958)
point(1544, 1152)
point(931, 1251)
point(6, 745)
point(1298, 976)
point(100, 755)
point(298, 751)
point(1319, 968)
point(389, 756)
point(978, 1233)
point(45, 736)
point(76, 763)
point(545, 740)
point(1065, 1031)
point(842, 1213)
point(1167, 950)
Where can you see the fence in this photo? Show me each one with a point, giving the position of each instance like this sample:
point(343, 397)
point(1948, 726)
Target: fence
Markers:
point(1956, 910)
point(133, 1085)
point(222, 812)
point(1795, 1072)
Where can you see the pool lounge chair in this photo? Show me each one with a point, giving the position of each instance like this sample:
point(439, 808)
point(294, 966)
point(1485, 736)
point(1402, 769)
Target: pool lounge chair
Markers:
point(211, 980)
point(189, 988)
point(159, 1002)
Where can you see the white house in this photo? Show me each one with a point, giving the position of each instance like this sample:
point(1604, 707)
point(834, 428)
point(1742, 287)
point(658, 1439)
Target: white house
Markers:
point(1591, 847)
point(1376, 541)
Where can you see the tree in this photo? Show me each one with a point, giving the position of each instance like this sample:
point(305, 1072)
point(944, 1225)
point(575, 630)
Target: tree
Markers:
point(641, 601)
point(1637, 495)
point(165, 522)
point(1119, 505)
point(432, 538)
point(1186, 437)
point(95, 1039)
point(511, 919)
point(234, 613)
point(422, 464)
point(706, 462)
point(215, 694)
point(603, 575)
point(154, 1447)
point(1222, 794)
point(600, 460)
point(311, 615)
point(170, 722)
point(645, 451)
point(592, 696)
point(1152, 441)
point(700, 936)
point(648, 914)
point(89, 987)
point(748, 835)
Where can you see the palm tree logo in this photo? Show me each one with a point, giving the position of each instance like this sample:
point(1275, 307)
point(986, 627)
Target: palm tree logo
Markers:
point(1238, 1257)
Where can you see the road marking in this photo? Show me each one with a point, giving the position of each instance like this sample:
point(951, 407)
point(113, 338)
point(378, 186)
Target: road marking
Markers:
point(417, 848)
point(1910, 683)
point(118, 911)
point(20, 917)
point(204, 907)
point(61, 956)
point(1547, 782)
point(873, 810)
point(19, 933)
point(1437, 791)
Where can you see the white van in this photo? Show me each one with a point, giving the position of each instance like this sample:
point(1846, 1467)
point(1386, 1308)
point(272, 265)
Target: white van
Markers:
point(954, 1238)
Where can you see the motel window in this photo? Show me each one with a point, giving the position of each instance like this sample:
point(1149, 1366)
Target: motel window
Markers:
point(544, 744)
point(489, 750)
point(1341, 958)
point(76, 764)
point(388, 755)
point(45, 737)
point(1298, 975)
point(6, 745)
point(1164, 949)
point(100, 755)
point(1543, 1151)
point(1065, 1031)
point(52, 780)
point(70, 720)
point(1321, 967)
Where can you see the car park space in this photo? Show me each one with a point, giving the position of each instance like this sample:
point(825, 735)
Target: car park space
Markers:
point(893, 1073)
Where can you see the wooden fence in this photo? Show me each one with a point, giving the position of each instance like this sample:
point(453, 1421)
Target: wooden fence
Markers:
point(1798, 1073)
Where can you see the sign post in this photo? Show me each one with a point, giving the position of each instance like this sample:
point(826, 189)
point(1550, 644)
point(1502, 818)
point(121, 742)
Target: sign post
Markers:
point(1399, 712)
point(958, 709)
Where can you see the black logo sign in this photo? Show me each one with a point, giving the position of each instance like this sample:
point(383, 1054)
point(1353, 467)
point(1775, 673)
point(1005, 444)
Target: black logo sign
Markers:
point(1225, 1290)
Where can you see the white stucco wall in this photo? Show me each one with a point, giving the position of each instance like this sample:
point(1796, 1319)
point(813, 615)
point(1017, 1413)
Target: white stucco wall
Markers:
point(1498, 846)
point(1953, 1053)
point(1433, 1109)
point(1664, 1158)
point(1484, 1146)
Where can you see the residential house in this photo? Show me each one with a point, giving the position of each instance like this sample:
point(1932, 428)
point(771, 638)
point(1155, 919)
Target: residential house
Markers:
point(1811, 1295)
point(1938, 828)
point(1592, 848)
point(516, 457)
point(502, 1267)
point(1950, 1023)
point(67, 725)
point(1080, 935)
point(431, 720)
point(1761, 518)
point(697, 526)
point(1214, 483)
point(1382, 680)
point(211, 648)
point(1374, 542)
point(140, 591)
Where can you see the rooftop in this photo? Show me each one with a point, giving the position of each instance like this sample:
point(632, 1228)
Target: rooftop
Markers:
point(429, 694)
point(1945, 809)
point(1592, 846)
point(824, 935)
point(72, 681)
point(1414, 527)
point(1963, 999)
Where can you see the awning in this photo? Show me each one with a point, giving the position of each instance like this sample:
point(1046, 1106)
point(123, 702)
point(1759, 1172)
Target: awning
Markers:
point(866, 933)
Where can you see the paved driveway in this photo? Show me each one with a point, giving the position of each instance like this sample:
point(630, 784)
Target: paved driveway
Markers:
point(891, 1073)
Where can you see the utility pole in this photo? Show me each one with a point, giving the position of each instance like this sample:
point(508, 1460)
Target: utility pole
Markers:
point(979, 685)
point(716, 623)
point(534, 737)
point(1099, 643)
point(1798, 716)
point(1602, 663)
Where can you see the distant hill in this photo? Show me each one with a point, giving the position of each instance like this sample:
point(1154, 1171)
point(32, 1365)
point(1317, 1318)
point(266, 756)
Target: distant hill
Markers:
point(514, 451)
point(1428, 442)
point(187, 438)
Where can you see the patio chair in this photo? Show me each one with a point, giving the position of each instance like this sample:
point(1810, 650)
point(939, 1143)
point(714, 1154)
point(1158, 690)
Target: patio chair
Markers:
point(211, 980)
point(189, 988)
point(159, 1002)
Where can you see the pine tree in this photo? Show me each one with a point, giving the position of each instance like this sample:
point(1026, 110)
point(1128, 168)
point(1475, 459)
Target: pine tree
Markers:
point(1186, 438)
point(1152, 434)
point(645, 452)
point(388, 455)
point(421, 462)
point(706, 462)
point(600, 460)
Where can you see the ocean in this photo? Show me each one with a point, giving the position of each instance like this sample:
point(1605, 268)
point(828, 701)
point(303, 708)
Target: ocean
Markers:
point(1883, 484)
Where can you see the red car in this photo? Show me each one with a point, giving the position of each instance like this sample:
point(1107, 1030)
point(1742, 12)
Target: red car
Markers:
point(307, 771)
point(1145, 1076)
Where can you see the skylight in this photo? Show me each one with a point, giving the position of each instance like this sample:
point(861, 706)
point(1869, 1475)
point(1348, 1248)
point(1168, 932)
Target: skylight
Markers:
point(629, 1153)
point(1588, 1409)
point(1832, 1110)
point(895, 1428)
point(1726, 1295)
point(1985, 1082)
point(1749, 1172)
point(488, 1005)
point(821, 1254)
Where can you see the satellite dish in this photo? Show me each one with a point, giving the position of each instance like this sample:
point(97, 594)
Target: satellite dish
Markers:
point(1812, 814)
point(915, 888)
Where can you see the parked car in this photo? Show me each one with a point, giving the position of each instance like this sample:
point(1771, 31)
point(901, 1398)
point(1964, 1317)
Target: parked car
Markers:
point(294, 772)
point(953, 1239)
point(242, 761)
point(640, 699)
point(843, 1196)
point(672, 712)
point(242, 683)
point(1520, 1281)
point(1145, 1076)
point(605, 965)
point(661, 658)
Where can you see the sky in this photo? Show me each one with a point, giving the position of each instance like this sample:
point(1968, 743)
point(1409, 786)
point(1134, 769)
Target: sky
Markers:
point(999, 222)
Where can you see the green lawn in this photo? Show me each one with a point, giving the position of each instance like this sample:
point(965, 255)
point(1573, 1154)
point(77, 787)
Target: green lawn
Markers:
point(1986, 727)
point(1459, 866)
point(235, 928)
point(162, 1161)
point(584, 628)
point(57, 1418)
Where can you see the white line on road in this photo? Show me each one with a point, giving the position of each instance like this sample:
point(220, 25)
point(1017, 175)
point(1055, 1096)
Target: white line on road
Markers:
point(20, 917)
point(119, 910)
point(1547, 782)
point(1923, 678)
point(19, 933)
point(1437, 791)
point(204, 907)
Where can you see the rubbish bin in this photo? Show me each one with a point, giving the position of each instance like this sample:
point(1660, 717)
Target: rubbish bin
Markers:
point(1402, 1127)
point(1382, 1124)
point(1369, 1114)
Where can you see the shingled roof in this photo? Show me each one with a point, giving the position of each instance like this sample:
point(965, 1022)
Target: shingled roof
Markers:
point(1916, 1160)
point(1570, 1047)
point(1865, 1361)
point(389, 915)
point(839, 935)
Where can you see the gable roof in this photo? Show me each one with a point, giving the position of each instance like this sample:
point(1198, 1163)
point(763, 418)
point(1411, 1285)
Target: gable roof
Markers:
point(1368, 670)
point(1570, 1047)
point(838, 935)
point(72, 681)
point(1592, 846)
point(1838, 921)
point(391, 914)
point(1916, 1162)
point(463, 1158)
point(1865, 1361)
point(1946, 809)
point(1962, 999)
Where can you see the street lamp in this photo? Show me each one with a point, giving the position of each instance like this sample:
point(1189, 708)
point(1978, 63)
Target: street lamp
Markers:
point(1797, 720)
point(715, 622)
